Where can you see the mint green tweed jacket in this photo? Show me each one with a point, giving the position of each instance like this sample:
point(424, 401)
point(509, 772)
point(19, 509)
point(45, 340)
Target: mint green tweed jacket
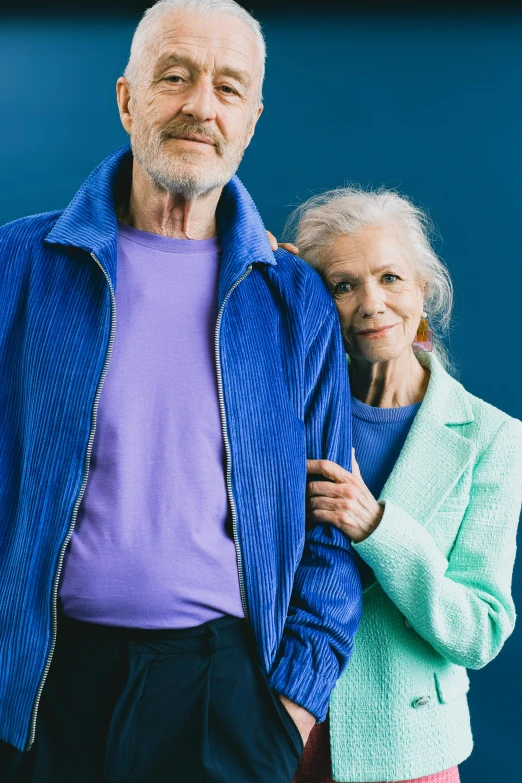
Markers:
point(441, 601)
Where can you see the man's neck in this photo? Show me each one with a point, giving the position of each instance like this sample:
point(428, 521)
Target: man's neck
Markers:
point(169, 214)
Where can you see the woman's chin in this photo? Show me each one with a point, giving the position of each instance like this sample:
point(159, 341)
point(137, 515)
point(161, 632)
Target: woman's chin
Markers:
point(375, 353)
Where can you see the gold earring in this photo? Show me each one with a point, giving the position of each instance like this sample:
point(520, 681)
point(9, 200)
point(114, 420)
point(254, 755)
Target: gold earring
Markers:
point(424, 337)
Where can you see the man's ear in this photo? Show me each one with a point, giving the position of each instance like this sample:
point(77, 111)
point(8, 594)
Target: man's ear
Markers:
point(123, 96)
point(257, 115)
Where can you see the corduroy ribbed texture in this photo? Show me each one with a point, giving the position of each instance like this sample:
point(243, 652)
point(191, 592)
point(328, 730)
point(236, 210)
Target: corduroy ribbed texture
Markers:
point(286, 397)
point(443, 558)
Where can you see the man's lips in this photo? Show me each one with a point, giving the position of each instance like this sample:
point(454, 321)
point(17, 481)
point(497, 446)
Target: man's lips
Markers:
point(193, 137)
point(375, 332)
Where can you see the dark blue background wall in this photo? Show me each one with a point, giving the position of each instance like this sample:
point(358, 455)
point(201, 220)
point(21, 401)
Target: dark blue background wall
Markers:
point(428, 104)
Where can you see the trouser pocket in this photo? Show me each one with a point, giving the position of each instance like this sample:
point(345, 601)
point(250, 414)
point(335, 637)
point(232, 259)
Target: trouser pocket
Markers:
point(286, 720)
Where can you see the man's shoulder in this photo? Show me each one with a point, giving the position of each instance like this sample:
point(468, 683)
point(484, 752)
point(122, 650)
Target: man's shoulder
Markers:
point(295, 269)
point(291, 264)
point(27, 231)
point(300, 279)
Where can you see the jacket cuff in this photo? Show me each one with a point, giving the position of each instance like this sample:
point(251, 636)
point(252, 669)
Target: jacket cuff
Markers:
point(300, 683)
point(399, 538)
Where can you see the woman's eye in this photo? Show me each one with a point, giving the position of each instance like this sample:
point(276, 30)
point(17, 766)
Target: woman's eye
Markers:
point(342, 288)
point(390, 278)
point(173, 79)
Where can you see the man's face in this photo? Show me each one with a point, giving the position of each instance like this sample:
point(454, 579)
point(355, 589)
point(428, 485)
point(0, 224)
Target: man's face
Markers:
point(195, 102)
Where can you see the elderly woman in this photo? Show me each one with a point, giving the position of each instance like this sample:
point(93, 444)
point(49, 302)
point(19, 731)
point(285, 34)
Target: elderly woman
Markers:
point(432, 505)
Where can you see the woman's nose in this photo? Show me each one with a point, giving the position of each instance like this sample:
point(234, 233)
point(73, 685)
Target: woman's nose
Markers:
point(371, 300)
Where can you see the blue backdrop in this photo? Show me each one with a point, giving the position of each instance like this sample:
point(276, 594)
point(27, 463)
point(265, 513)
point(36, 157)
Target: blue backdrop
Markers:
point(428, 104)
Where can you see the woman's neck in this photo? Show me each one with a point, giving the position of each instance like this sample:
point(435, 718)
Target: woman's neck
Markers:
point(390, 384)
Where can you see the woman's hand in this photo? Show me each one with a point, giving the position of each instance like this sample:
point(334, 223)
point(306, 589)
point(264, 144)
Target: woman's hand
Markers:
point(346, 503)
point(274, 244)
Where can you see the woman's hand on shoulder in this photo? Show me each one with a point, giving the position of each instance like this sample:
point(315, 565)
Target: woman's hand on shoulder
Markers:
point(342, 499)
point(274, 244)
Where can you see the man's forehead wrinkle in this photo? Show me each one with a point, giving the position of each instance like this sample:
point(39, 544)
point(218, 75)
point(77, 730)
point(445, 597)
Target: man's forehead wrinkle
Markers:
point(167, 56)
point(153, 46)
point(175, 40)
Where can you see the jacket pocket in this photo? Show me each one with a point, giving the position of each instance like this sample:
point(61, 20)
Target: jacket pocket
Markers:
point(451, 683)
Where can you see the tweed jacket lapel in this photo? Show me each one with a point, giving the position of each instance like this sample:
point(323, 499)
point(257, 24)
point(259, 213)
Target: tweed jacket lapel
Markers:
point(435, 454)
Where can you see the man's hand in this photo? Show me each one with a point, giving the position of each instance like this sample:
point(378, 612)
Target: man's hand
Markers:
point(303, 719)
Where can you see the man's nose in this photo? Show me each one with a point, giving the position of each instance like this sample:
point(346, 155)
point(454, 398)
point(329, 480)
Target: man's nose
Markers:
point(372, 301)
point(200, 101)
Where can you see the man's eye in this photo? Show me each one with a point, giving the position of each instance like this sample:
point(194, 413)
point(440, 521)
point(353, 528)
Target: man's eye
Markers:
point(390, 278)
point(227, 90)
point(174, 79)
point(342, 288)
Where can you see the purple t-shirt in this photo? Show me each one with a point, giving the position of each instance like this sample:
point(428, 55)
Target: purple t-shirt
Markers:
point(152, 546)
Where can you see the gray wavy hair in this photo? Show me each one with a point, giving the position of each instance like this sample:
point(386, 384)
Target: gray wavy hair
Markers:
point(320, 219)
point(145, 30)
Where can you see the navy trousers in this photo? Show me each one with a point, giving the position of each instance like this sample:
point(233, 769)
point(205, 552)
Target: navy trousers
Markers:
point(136, 706)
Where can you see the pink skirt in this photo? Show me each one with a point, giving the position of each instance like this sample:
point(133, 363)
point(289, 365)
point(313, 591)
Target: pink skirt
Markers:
point(316, 767)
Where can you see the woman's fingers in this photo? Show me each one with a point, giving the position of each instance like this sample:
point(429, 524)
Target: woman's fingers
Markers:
point(324, 503)
point(355, 465)
point(326, 517)
point(272, 240)
point(274, 244)
point(328, 469)
point(290, 247)
point(328, 489)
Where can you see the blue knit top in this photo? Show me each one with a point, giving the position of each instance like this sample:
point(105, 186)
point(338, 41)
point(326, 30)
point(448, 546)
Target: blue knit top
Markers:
point(378, 437)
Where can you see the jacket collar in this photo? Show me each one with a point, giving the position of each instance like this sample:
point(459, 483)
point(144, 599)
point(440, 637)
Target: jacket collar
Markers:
point(435, 454)
point(89, 222)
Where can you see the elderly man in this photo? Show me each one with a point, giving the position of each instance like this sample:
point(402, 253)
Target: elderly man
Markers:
point(165, 614)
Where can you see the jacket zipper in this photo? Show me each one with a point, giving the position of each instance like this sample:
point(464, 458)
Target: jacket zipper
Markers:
point(54, 594)
point(86, 473)
point(227, 446)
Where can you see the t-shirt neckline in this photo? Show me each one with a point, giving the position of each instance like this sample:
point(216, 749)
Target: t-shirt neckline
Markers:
point(168, 244)
point(382, 415)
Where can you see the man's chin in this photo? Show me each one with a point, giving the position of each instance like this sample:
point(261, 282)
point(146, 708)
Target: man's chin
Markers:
point(186, 185)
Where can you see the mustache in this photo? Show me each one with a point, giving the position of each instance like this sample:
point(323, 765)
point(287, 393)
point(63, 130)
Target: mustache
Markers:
point(181, 127)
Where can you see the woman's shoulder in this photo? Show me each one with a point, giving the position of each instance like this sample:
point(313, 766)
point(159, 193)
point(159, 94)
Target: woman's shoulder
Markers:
point(490, 416)
point(478, 420)
point(489, 426)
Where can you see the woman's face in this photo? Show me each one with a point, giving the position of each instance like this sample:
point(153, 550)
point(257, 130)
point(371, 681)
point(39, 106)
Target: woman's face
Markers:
point(377, 295)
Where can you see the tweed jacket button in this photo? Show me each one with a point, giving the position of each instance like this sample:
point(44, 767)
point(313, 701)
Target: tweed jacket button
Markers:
point(422, 701)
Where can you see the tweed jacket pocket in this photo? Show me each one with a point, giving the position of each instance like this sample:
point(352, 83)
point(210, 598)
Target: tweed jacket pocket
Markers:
point(451, 683)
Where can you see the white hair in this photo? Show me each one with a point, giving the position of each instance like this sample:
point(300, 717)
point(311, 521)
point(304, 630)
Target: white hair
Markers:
point(149, 19)
point(320, 219)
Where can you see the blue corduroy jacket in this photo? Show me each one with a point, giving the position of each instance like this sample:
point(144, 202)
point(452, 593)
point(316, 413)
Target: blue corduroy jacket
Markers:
point(284, 395)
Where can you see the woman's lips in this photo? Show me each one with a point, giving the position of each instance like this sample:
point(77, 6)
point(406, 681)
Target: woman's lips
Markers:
point(372, 334)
